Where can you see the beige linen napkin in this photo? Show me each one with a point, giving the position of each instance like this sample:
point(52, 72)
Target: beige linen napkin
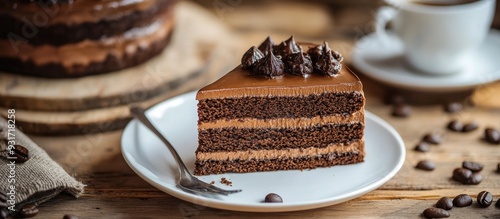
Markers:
point(38, 179)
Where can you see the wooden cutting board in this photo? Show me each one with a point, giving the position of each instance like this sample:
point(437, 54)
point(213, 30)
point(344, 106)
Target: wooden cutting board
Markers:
point(201, 50)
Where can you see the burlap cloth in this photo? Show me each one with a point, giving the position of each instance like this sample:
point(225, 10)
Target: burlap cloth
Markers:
point(38, 179)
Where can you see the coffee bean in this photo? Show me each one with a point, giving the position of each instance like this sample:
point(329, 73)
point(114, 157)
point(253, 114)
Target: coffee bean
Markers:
point(453, 107)
point(21, 153)
point(484, 199)
point(472, 166)
point(455, 126)
point(273, 197)
point(4, 213)
point(498, 168)
point(492, 136)
point(475, 179)
point(436, 213)
point(462, 175)
point(394, 99)
point(3, 196)
point(401, 110)
point(445, 203)
point(433, 138)
point(422, 147)
point(469, 127)
point(29, 211)
point(426, 165)
point(462, 200)
point(498, 203)
point(70, 216)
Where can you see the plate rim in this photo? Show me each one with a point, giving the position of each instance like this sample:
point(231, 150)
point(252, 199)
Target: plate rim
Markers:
point(372, 72)
point(259, 207)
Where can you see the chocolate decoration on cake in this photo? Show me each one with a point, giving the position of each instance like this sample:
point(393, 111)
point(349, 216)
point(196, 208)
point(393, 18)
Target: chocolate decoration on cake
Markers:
point(315, 52)
point(251, 57)
point(267, 45)
point(298, 64)
point(319, 59)
point(287, 47)
point(269, 66)
point(327, 64)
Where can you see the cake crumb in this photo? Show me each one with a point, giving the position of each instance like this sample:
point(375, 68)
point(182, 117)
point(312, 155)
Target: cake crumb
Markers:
point(223, 180)
point(213, 182)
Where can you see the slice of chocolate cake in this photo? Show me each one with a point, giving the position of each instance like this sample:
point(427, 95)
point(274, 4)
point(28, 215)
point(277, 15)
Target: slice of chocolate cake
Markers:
point(282, 109)
point(72, 38)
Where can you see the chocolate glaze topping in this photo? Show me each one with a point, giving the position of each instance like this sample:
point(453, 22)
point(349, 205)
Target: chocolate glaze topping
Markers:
point(287, 47)
point(267, 45)
point(269, 66)
point(251, 57)
point(288, 57)
point(327, 64)
point(298, 64)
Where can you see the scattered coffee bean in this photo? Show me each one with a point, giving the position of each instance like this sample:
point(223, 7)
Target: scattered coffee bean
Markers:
point(484, 199)
point(433, 138)
point(475, 179)
point(394, 99)
point(492, 136)
point(462, 200)
point(3, 200)
point(498, 168)
point(70, 216)
point(498, 203)
point(401, 110)
point(453, 107)
point(29, 211)
point(436, 213)
point(462, 175)
point(3, 196)
point(273, 197)
point(445, 203)
point(4, 213)
point(472, 166)
point(422, 147)
point(21, 153)
point(426, 165)
point(469, 127)
point(455, 126)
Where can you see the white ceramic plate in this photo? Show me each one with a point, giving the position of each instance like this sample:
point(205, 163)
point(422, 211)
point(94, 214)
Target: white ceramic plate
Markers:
point(384, 62)
point(177, 118)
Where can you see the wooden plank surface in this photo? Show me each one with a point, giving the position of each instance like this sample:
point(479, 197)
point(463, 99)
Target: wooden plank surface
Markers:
point(115, 191)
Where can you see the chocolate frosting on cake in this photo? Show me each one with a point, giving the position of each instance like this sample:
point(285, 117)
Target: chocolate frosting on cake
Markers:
point(251, 57)
point(320, 59)
point(269, 66)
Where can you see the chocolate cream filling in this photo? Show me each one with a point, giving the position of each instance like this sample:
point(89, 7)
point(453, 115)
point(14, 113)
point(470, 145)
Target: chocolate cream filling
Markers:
point(354, 147)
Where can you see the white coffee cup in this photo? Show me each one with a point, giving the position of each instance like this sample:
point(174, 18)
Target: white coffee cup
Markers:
point(436, 39)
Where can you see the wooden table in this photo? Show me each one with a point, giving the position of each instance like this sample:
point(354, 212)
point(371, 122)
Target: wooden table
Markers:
point(115, 191)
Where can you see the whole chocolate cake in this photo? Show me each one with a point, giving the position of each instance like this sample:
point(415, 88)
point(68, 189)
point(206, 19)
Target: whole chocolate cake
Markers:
point(281, 109)
point(71, 38)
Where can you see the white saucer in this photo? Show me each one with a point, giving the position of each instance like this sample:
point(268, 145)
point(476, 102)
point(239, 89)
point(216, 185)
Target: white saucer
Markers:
point(385, 64)
point(300, 190)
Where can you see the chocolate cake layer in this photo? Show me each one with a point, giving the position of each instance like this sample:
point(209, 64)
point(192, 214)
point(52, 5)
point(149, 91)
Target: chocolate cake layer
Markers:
point(58, 33)
point(245, 166)
point(325, 104)
point(110, 63)
point(240, 139)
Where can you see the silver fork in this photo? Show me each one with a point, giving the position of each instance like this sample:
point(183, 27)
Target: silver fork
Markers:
point(186, 181)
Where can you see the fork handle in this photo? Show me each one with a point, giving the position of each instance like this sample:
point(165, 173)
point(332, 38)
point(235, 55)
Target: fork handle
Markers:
point(140, 114)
